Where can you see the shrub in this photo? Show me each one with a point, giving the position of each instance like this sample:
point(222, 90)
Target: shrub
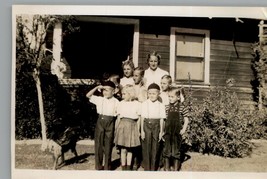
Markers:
point(218, 126)
point(63, 106)
point(257, 124)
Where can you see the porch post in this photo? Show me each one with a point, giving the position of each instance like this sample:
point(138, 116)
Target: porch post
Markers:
point(136, 44)
point(56, 65)
point(172, 54)
point(57, 36)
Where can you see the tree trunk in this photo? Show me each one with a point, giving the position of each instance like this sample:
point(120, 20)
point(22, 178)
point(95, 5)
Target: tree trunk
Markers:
point(41, 111)
point(260, 99)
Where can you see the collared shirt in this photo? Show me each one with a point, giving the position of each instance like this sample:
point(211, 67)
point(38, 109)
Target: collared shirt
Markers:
point(104, 105)
point(153, 110)
point(129, 109)
point(164, 98)
point(141, 93)
point(125, 81)
point(154, 76)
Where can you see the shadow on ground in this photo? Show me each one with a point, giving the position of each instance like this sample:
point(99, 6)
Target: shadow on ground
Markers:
point(80, 159)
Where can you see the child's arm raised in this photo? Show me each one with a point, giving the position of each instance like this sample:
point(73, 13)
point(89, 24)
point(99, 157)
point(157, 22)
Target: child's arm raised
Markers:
point(92, 91)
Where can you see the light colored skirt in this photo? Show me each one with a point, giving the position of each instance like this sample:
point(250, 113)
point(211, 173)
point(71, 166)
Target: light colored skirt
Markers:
point(127, 134)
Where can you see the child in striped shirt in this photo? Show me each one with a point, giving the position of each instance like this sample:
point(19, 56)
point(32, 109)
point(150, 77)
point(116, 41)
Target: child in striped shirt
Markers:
point(176, 112)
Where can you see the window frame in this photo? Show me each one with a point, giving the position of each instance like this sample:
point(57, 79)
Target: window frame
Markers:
point(206, 33)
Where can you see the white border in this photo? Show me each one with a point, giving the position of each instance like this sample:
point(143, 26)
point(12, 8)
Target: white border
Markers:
point(181, 11)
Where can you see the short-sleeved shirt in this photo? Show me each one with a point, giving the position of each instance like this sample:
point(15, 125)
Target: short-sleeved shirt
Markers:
point(104, 105)
point(126, 81)
point(154, 76)
point(153, 110)
point(181, 109)
point(164, 98)
point(141, 93)
point(129, 109)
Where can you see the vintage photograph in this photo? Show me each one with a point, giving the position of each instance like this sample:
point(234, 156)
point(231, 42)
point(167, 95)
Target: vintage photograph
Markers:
point(162, 89)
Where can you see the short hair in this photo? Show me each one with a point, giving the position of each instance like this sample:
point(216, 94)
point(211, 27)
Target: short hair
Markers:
point(130, 90)
point(153, 86)
point(141, 69)
point(154, 53)
point(116, 77)
point(109, 83)
point(168, 77)
point(179, 92)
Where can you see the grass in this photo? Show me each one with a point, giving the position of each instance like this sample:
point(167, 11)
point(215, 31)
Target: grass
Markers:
point(30, 156)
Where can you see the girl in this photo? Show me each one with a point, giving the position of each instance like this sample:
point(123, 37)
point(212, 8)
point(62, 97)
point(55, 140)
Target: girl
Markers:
point(153, 74)
point(127, 126)
point(128, 68)
point(176, 112)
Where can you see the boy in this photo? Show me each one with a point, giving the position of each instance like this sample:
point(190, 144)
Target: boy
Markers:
point(104, 132)
point(139, 86)
point(174, 129)
point(165, 83)
point(152, 116)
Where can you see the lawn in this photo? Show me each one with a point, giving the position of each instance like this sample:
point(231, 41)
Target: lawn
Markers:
point(30, 156)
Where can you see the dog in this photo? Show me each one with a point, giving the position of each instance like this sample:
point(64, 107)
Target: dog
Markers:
point(65, 142)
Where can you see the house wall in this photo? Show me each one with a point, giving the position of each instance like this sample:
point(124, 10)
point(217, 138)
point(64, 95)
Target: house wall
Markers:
point(230, 52)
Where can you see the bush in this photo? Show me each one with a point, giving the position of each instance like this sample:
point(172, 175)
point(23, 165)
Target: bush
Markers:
point(26, 110)
point(63, 106)
point(28, 128)
point(257, 124)
point(218, 125)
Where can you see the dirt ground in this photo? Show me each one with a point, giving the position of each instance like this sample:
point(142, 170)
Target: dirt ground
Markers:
point(28, 155)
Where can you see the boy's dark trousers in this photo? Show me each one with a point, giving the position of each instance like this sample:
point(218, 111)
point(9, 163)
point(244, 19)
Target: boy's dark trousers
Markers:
point(150, 144)
point(171, 149)
point(104, 134)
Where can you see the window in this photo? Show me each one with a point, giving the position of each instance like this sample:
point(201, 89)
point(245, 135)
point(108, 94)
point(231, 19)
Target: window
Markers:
point(189, 55)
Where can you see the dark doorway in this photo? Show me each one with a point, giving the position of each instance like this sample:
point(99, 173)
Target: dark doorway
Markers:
point(97, 49)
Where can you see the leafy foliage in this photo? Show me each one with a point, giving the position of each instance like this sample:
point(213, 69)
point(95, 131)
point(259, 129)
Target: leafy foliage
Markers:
point(218, 125)
point(32, 64)
point(63, 107)
point(259, 66)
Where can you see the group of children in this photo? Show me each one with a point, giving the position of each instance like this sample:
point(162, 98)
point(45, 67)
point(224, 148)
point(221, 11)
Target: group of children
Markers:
point(140, 109)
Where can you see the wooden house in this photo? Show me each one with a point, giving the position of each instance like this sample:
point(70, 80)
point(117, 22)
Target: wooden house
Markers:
point(214, 51)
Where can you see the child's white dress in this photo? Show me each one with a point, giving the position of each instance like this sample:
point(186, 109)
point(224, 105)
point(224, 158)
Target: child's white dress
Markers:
point(126, 81)
point(127, 132)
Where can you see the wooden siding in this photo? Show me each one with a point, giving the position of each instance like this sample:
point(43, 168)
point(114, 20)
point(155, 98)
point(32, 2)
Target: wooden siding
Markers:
point(233, 60)
point(227, 60)
point(159, 43)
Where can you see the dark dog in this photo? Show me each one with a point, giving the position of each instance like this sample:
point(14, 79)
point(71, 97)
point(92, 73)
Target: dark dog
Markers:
point(65, 142)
